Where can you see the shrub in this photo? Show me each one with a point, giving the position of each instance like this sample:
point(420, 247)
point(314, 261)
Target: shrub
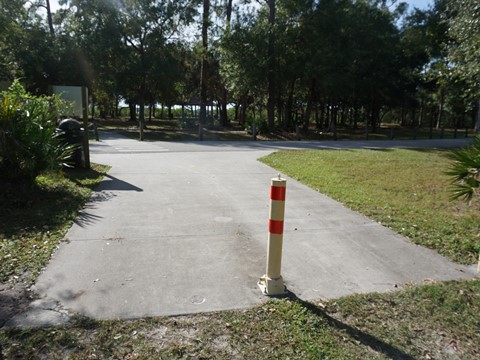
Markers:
point(465, 171)
point(28, 141)
point(261, 125)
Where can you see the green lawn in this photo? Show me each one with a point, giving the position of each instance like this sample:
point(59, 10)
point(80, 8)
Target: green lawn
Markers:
point(405, 190)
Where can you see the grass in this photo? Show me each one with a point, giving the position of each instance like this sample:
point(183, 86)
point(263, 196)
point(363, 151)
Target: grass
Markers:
point(405, 190)
point(436, 321)
point(32, 225)
point(168, 130)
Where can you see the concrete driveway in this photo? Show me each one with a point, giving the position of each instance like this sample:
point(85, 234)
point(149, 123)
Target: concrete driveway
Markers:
point(178, 228)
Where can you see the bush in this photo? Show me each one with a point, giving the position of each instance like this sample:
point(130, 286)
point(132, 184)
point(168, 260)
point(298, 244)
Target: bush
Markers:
point(465, 171)
point(261, 125)
point(28, 141)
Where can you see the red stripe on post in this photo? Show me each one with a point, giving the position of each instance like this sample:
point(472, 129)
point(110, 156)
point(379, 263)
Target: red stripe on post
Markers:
point(275, 226)
point(277, 193)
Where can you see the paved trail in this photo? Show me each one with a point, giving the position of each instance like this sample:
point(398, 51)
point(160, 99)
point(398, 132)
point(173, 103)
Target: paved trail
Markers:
point(179, 228)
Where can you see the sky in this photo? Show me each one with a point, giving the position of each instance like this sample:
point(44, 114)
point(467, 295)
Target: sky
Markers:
point(421, 4)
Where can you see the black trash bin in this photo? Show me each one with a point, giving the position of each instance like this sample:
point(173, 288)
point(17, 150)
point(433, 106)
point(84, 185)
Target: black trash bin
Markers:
point(71, 133)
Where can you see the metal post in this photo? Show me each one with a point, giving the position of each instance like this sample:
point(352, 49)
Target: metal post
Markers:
point(272, 282)
point(86, 150)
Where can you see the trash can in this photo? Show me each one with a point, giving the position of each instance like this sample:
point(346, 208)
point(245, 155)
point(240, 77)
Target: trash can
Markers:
point(71, 133)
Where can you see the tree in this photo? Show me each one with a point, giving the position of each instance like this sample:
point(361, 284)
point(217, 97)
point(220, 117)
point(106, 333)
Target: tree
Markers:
point(271, 64)
point(28, 52)
point(463, 52)
point(244, 64)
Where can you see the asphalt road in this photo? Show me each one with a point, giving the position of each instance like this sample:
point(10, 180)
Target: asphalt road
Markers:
point(181, 227)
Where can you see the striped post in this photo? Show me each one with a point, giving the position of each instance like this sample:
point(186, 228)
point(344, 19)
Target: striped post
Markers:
point(272, 282)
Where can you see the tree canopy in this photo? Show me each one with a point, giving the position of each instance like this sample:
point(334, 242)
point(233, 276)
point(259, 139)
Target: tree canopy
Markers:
point(283, 62)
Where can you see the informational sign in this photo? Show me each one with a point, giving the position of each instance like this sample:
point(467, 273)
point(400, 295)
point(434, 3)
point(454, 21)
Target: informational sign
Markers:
point(73, 94)
point(79, 96)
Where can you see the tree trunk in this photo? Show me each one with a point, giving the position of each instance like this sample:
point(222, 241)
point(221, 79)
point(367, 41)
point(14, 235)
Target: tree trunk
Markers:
point(117, 106)
point(224, 100)
point(93, 106)
point(133, 111)
point(289, 104)
point(49, 18)
point(355, 116)
point(440, 109)
point(229, 15)
point(271, 65)
point(343, 114)
point(321, 121)
point(310, 102)
point(280, 111)
point(243, 114)
point(141, 115)
point(223, 108)
point(375, 115)
point(203, 75)
point(327, 116)
point(236, 112)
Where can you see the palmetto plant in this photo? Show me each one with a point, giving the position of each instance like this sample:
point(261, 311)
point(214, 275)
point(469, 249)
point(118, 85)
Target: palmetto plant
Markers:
point(465, 172)
point(28, 141)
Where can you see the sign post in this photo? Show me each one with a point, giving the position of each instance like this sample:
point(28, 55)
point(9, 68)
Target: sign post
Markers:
point(86, 149)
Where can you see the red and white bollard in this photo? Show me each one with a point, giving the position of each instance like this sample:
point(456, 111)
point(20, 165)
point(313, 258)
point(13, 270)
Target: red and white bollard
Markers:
point(272, 282)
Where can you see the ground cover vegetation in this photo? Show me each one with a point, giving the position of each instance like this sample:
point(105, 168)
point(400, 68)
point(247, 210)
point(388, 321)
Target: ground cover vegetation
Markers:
point(433, 321)
point(32, 225)
point(326, 66)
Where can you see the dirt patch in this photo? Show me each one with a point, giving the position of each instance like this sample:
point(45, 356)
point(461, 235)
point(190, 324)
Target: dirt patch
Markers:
point(15, 297)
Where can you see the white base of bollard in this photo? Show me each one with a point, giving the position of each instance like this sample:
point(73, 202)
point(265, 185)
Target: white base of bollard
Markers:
point(272, 287)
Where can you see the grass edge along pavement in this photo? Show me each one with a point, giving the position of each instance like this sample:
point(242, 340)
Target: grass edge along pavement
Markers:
point(404, 189)
point(32, 226)
point(431, 321)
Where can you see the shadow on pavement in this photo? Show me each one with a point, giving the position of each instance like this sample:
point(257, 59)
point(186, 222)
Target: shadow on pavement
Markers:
point(85, 218)
point(116, 184)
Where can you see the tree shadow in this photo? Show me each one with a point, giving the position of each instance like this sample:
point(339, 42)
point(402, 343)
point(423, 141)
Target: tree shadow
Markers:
point(116, 184)
point(85, 218)
point(364, 338)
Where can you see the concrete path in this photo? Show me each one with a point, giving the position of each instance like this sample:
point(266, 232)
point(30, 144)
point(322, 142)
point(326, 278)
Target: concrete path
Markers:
point(178, 228)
